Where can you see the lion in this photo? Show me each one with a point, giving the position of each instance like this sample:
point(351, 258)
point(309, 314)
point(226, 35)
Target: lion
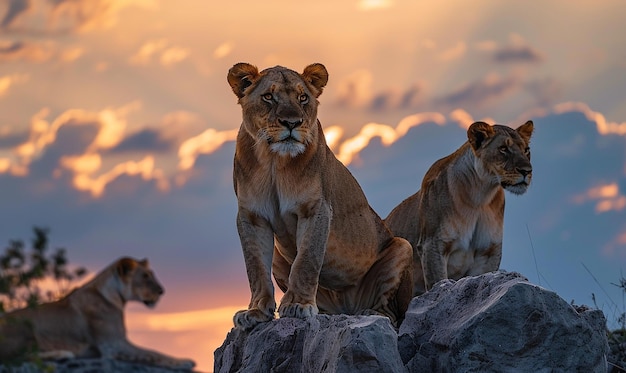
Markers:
point(88, 322)
point(454, 222)
point(301, 213)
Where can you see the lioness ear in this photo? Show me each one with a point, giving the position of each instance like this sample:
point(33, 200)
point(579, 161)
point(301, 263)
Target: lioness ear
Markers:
point(241, 76)
point(478, 132)
point(125, 266)
point(526, 130)
point(317, 76)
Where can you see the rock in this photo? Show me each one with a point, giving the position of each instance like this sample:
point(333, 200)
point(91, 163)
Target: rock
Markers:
point(95, 365)
point(499, 322)
point(496, 322)
point(325, 343)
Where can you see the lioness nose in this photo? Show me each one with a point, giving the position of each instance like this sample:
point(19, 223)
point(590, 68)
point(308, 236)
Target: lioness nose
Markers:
point(525, 170)
point(290, 123)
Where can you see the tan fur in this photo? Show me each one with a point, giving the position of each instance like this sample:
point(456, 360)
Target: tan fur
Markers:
point(89, 322)
point(302, 214)
point(454, 222)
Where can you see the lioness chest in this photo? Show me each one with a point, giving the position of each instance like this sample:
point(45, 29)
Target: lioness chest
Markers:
point(474, 238)
point(289, 199)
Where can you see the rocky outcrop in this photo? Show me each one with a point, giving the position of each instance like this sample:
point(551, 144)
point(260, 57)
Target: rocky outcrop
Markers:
point(95, 365)
point(337, 343)
point(497, 322)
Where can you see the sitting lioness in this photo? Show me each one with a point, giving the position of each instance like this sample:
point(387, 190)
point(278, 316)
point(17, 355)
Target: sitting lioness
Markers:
point(302, 214)
point(88, 322)
point(454, 222)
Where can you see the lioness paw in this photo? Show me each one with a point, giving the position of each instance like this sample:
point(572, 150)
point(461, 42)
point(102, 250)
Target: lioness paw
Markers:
point(248, 319)
point(297, 310)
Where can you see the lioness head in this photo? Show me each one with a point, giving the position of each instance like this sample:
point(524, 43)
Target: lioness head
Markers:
point(504, 153)
point(139, 281)
point(279, 105)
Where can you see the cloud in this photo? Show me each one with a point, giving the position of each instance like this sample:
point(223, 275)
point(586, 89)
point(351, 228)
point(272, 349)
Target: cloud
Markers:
point(223, 50)
point(15, 8)
point(87, 15)
point(25, 51)
point(147, 139)
point(350, 148)
point(368, 5)
point(161, 50)
point(604, 127)
point(26, 16)
point(516, 50)
point(516, 53)
point(606, 196)
point(6, 82)
point(355, 91)
point(454, 53)
point(205, 143)
point(181, 321)
point(481, 92)
point(546, 92)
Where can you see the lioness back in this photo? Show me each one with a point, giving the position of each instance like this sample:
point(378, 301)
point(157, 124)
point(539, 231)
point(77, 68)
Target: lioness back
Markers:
point(301, 214)
point(455, 221)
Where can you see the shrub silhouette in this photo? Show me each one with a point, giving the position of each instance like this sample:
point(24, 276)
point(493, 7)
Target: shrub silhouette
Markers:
point(23, 272)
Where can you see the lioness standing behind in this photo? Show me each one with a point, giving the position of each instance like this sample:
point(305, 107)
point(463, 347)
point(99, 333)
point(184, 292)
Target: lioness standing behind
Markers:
point(302, 214)
point(454, 222)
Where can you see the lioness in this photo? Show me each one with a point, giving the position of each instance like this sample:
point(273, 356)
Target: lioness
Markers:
point(302, 214)
point(454, 223)
point(88, 322)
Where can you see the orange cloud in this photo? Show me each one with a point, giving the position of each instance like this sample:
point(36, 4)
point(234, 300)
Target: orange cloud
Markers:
point(206, 142)
point(182, 321)
point(349, 149)
point(366, 5)
point(7, 81)
point(87, 15)
point(96, 185)
point(168, 55)
point(453, 53)
point(223, 50)
point(147, 50)
point(604, 127)
point(608, 198)
point(26, 51)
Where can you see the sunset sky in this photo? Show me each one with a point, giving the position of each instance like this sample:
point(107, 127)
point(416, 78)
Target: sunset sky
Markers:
point(117, 131)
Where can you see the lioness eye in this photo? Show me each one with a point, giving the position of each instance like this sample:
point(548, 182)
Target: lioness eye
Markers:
point(268, 97)
point(503, 149)
point(303, 98)
point(527, 150)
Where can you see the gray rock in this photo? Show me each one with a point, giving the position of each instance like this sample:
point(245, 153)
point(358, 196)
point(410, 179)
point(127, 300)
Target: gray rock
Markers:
point(95, 365)
point(499, 322)
point(336, 343)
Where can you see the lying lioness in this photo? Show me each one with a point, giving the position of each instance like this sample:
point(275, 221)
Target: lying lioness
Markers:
point(89, 322)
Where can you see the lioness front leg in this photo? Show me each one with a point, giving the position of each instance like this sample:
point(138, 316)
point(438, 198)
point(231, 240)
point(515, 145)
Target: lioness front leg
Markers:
point(311, 240)
point(433, 262)
point(257, 242)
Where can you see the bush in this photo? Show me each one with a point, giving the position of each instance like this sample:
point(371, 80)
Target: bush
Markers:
point(23, 272)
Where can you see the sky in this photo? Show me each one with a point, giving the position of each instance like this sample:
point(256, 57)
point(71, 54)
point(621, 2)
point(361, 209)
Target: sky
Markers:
point(117, 131)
